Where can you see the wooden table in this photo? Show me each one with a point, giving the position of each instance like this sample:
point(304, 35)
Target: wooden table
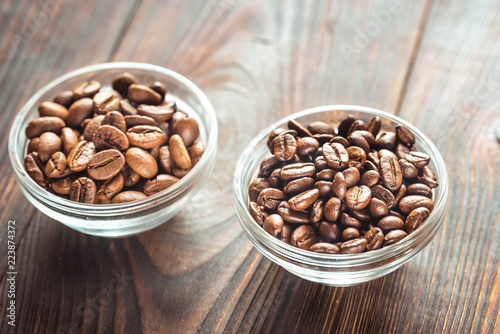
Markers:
point(433, 63)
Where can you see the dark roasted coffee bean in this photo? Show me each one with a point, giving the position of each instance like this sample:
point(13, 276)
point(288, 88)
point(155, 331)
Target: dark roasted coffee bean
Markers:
point(409, 170)
point(134, 120)
point(369, 137)
point(357, 157)
point(298, 186)
point(345, 124)
point(332, 209)
point(91, 126)
point(86, 89)
point(147, 136)
point(349, 221)
point(258, 213)
point(307, 146)
point(128, 196)
point(49, 143)
point(335, 155)
point(109, 137)
point(384, 194)
point(317, 210)
point(62, 185)
point(340, 140)
point(415, 219)
point(40, 125)
point(110, 188)
point(320, 127)
point(369, 178)
point(390, 223)
point(116, 119)
point(64, 98)
point(256, 186)
point(56, 165)
point(34, 168)
point(284, 147)
point(357, 125)
point(378, 208)
point(362, 215)
point(393, 237)
point(126, 108)
point(427, 177)
point(357, 139)
point(178, 151)
point(411, 202)
point(188, 129)
point(130, 177)
point(299, 128)
point(325, 248)
point(272, 135)
point(320, 162)
point(373, 157)
point(358, 198)
point(298, 170)
point(326, 174)
point(83, 190)
point(339, 186)
point(351, 176)
point(350, 233)
point(286, 233)
point(419, 159)
point(79, 157)
point(275, 179)
point(419, 189)
point(78, 111)
point(143, 95)
point(33, 144)
point(49, 108)
point(370, 166)
point(159, 183)
point(303, 200)
point(105, 164)
point(292, 216)
point(397, 214)
point(161, 113)
point(267, 166)
point(322, 138)
point(303, 237)
point(122, 82)
point(106, 101)
point(374, 238)
point(401, 150)
point(273, 224)
point(405, 135)
point(353, 246)
point(374, 125)
point(390, 172)
point(324, 187)
point(141, 162)
point(386, 152)
point(399, 194)
point(270, 198)
point(386, 140)
point(329, 232)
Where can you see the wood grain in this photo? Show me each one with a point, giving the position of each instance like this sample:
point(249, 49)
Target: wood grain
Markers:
point(435, 63)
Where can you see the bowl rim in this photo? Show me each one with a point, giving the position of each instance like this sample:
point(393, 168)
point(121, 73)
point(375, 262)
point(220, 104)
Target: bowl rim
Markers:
point(327, 260)
point(128, 207)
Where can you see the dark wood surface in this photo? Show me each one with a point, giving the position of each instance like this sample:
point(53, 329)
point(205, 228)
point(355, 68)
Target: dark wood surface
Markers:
point(434, 63)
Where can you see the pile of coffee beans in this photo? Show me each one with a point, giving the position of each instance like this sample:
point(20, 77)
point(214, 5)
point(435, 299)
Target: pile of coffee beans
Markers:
point(115, 144)
point(342, 190)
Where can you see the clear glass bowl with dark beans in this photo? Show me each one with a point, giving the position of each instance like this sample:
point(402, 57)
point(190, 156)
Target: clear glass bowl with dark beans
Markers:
point(114, 216)
point(341, 223)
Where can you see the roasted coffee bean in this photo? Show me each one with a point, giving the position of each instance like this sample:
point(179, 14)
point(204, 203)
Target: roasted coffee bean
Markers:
point(374, 238)
point(339, 186)
point(356, 125)
point(326, 174)
point(109, 137)
point(258, 213)
point(401, 150)
point(86, 89)
point(268, 165)
point(427, 177)
point(48, 144)
point(292, 216)
point(405, 135)
point(332, 209)
point(196, 152)
point(105, 164)
point(122, 82)
point(329, 232)
point(143, 95)
point(397, 214)
point(390, 223)
point(256, 186)
point(92, 126)
point(79, 157)
point(286, 233)
point(134, 120)
point(378, 208)
point(62, 185)
point(350, 233)
point(324, 247)
point(384, 194)
point(128, 196)
point(320, 162)
point(307, 146)
point(188, 129)
point(34, 168)
point(272, 135)
point(409, 170)
point(358, 198)
point(351, 176)
point(357, 157)
point(373, 157)
point(131, 177)
point(179, 153)
point(110, 188)
point(419, 189)
point(340, 140)
point(33, 144)
point(349, 221)
point(106, 101)
point(56, 165)
point(399, 194)
point(386, 140)
point(357, 139)
point(353, 246)
point(335, 155)
point(78, 111)
point(116, 119)
point(362, 215)
point(142, 162)
point(83, 190)
point(284, 147)
point(411, 202)
point(321, 127)
point(275, 179)
point(304, 200)
point(273, 224)
point(415, 218)
point(345, 124)
point(40, 125)
point(299, 128)
point(393, 237)
point(159, 88)
point(270, 198)
point(179, 172)
point(419, 159)
point(161, 113)
point(390, 172)
point(298, 186)
point(324, 187)
point(374, 125)
point(370, 166)
point(369, 178)
point(49, 108)
point(317, 210)
point(147, 136)
point(298, 170)
point(126, 108)
point(64, 98)
point(160, 183)
point(322, 138)
point(386, 152)
point(303, 237)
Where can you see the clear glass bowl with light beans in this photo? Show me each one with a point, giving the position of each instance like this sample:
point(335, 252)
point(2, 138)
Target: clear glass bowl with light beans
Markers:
point(116, 220)
point(337, 269)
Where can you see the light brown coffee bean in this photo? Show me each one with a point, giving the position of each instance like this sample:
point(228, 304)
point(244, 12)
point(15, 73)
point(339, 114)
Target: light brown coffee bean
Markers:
point(335, 155)
point(369, 178)
point(325, 248)
point(110, 188)
point(64, 98)
point(106, 101)
point(92, 126)
point(374, 238)
point(332, 209)
point(34, 168)
point(33, 144)
point(321, 127)
point(159, 88)
point(418, 159)
point(122, 82)
point(56, 165)
point(284, 147)
point(40, 125)
point(79, 157)
point(49, 108)
point(127, 108)
point(146, 136)
point(49, 143)
point(384, 194)
point(128, 196)
point(415, 218)
point(303, 237)
point(78, 111)
point(116, 119)
point(350, 233)
point(304, 200)
point(196, 152)
point(298, 186)
point(408, 170)
point(326, 174)
point(390, 223)
point(62, 185)
point(83, 190)
point(273, 224)
point(188, 128)
point(105, 164)
point(393, 237)
point(357, 139)
point(160, 183)
point(324, 187)
point(351, 176)
point(161, 113)
point(419, 189)
point(353, 246)
point(109, 137)
point(307, 146)
point(427, 177)
point(357, 157)
point(179, 153)
point(86, 89)
point(130, 177)
point(165, 160)
point(292, 216)
point(378, 208)
point(258, 213)
point(143, 95)
point(358, 198)
point(270, 198)
point(339, 186)
point(349, 221)
point(409, 203)
point(141, 162)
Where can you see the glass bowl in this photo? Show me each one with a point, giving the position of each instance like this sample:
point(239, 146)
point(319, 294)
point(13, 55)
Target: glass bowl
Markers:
point(116, 220)
point(337, 269)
